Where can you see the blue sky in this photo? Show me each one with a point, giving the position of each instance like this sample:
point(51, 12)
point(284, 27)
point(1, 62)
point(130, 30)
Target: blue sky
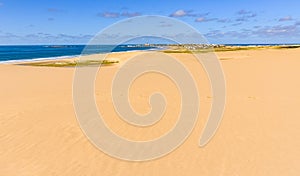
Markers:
point(220, 21)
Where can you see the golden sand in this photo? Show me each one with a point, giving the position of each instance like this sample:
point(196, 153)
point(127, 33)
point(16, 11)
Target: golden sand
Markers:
point(259, 133)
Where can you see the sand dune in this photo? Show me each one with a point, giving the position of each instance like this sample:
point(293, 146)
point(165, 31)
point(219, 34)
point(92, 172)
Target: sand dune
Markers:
point(259, 133)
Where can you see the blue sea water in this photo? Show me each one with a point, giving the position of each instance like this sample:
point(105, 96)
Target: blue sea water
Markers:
point(39, 52)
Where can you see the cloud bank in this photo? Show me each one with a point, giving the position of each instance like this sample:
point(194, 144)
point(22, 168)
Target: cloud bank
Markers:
point(118, 14)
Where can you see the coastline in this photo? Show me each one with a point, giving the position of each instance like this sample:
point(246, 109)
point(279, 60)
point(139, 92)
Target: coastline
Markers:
point(38, 59)
point(187, 48)
point(82, 53)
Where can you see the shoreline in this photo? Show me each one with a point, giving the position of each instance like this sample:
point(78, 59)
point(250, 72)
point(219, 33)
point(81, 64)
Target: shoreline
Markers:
point(38, 59)
point(61, 57)
point(170, 48)
point(58, 58)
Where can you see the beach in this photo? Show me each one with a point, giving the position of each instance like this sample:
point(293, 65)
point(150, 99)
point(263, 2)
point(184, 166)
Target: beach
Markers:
point(258, 135)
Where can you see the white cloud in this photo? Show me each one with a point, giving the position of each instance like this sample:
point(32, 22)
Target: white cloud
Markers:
point(287, 18)
point(244, 12)
point(179, 13)
point(117, 14)
point(43, 38)
point(245, 15)
point(109, 15)
point(190, 13)
point(129, 14)
point(203, 19)
point(278, 31)
point(275, 32)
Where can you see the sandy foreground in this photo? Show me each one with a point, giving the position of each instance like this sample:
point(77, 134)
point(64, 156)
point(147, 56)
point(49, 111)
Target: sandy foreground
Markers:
point(259, 133)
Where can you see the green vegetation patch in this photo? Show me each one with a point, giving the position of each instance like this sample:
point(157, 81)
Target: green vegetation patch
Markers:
point(71, 63)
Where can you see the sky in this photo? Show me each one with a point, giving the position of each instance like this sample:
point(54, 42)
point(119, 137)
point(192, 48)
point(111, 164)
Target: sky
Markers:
point(219, 21)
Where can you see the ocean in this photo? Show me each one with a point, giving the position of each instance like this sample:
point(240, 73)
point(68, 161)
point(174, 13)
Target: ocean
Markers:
point(41, 52)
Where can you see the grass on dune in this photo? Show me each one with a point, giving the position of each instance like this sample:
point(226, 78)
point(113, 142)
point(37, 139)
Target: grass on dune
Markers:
point(209, 50)
point(286, 47)
point(71, 63)
point(181, 49)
